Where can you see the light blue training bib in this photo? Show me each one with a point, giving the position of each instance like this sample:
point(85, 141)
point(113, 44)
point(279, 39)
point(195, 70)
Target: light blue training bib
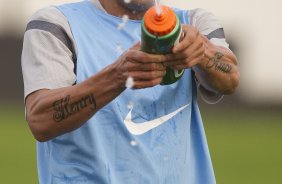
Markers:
point(160, 140)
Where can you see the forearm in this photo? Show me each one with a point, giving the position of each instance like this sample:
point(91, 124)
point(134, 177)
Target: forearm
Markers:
point(218, 72)
point(51, 113)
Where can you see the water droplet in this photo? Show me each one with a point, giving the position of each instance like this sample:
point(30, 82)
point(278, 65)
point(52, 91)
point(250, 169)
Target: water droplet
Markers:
point(120, 49)
point(125, 19)
point(158, 7)
point(129, 82)
point(133, 143)
point(130, 105)
point(127, 1)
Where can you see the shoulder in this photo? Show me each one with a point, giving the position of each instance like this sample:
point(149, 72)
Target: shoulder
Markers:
point(50, 18)
point(48, 55)
point(50, 14)
point(51, 22)
point(201, 13)
point(209, 25)
point(204, 20)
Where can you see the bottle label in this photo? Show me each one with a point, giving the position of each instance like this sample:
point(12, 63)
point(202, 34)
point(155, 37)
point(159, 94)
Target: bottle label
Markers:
point(178, 73)
point(181, 34)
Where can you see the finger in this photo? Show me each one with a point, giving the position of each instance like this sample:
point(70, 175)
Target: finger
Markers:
point(147, 84)
point(173, 57)
point(179, 67)
point(204, 38)
point(195, 50)
point(186, 56)
point(175, 62)
point(146, 75)
point(189, 36)
point(198, 52)
point(136, 66)
point(183, 44)
point(191, 64)
point(143, 57)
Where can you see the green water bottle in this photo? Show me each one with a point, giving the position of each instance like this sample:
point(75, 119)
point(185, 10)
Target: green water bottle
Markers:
point(159, 34)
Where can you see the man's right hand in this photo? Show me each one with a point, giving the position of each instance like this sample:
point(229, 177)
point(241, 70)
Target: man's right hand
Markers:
point(50, 112)
point(147, 70)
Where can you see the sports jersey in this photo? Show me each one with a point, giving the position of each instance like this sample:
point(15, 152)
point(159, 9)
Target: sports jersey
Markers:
point(160, 139)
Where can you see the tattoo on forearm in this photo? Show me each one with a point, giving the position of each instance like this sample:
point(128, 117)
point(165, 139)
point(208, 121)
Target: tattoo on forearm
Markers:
point(63, 108)
point(216, 63)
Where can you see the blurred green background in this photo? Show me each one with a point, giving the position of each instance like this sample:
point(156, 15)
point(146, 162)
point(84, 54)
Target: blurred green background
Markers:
point(245, 145)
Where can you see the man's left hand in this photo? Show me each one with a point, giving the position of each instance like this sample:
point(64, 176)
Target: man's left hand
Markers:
point(190, 51)
point(215, 67)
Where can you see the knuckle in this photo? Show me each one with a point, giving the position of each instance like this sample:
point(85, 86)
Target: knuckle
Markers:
point(194, 33)
point(127, 57)
point(129, 53)
point(187, 60)
point(138, 56)
point(189, 64)
point(127, 65)
point(168, 57)
point(160, 74)
point(146, 56)
point(201, 43)
point(158, 67)
point(192, 38)
point(153, 66)
point(163, 58)
point(148, 75)
point(186, 54)
point(155, 82)
point(152, 83)
point(202, 50)
point(153, 74)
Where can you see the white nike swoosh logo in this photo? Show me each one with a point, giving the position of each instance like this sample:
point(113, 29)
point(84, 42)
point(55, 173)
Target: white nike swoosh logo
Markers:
point(141, 128)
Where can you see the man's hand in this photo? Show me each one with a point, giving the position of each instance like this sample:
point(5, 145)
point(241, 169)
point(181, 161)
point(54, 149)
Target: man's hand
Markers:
point(190, 51)
point(147, 70)
point(53, 112)
point(215, 67)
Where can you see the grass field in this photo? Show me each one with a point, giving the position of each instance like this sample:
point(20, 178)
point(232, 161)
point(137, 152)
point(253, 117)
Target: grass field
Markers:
point(246, 146)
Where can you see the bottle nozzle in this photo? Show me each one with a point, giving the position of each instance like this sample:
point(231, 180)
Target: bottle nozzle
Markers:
point(160, 24)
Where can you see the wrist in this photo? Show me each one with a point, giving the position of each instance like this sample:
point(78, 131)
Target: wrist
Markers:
point(106, 81)
point(117, 76)
point(213, 57)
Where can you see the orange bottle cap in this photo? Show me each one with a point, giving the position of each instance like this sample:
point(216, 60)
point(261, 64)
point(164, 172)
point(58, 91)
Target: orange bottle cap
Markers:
point(162, 24)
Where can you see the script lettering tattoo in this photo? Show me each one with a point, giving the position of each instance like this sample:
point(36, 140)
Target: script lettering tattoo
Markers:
point(63, 108)
point(216, 63)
